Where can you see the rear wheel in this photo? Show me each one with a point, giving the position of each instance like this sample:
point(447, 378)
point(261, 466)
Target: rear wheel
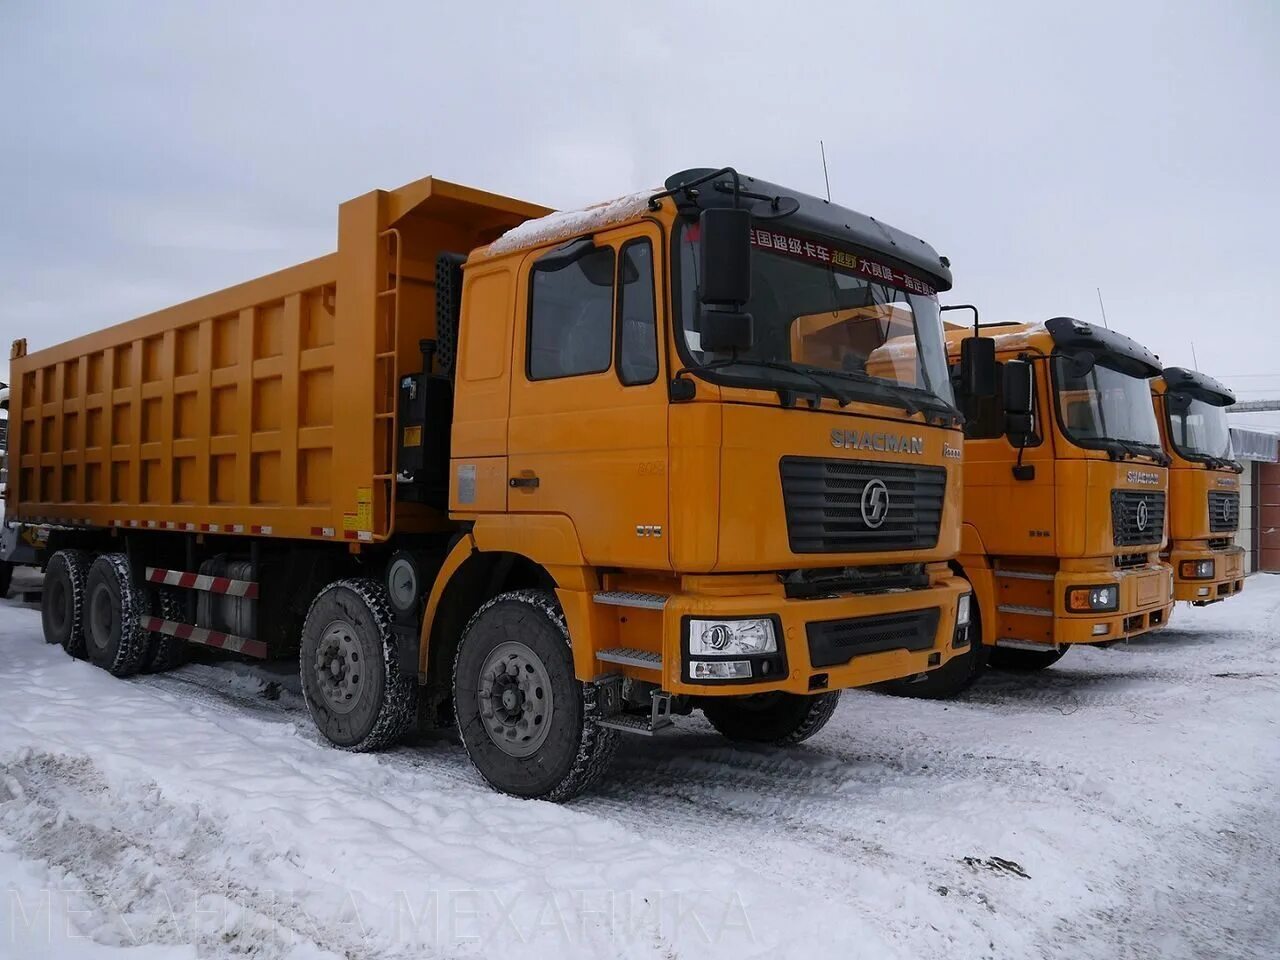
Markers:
point(6, 578)
point(350, 668)
point(115, 641)
point(165, 652)
point(528, 724)
point(62, 600)
point(780, 718)
point(1025, 661)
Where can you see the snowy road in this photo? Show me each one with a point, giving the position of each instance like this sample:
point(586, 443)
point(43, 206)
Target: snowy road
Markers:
point(1125, 803)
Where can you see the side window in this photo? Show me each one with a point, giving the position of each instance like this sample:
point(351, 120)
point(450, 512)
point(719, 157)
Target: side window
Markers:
point(571, 316)
point(637, 315)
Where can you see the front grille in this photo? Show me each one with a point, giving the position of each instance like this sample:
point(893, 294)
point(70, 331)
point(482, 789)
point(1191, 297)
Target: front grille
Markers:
point(1137, 517)
point(835, 642)
point(1224, 511)
point(855, 506)
point(1127, 560)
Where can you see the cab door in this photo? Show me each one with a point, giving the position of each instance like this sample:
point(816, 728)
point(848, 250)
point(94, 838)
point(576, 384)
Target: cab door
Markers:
point(588, 427)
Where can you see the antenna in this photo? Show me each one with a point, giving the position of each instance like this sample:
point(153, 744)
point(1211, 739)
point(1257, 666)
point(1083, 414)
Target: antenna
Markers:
point(1194, 361)
point(1103, 307)
point(823, 148)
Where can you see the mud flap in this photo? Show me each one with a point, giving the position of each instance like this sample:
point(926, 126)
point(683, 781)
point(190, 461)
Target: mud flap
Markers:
point(406, 648)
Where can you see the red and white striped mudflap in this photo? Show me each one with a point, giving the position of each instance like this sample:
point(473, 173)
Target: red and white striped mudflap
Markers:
point(210, 638)
point(199, 581)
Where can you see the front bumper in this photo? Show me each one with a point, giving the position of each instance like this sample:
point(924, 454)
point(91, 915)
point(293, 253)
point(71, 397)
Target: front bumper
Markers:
point(802, 643)
point(1033, 606)
point(1228, 573)
point(1146, 601)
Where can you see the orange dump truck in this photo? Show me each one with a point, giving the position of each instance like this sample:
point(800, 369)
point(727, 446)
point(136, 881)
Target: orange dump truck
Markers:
point(555, 475)
point(1204, 486)
point(1065, 485)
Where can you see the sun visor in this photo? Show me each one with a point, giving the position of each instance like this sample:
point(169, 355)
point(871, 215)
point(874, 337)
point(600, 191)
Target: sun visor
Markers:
point(1110, 349)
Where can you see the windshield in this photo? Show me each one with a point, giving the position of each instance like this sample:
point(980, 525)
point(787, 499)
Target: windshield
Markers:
point(1105, 405)
point(819, 307)
point(1198, 429)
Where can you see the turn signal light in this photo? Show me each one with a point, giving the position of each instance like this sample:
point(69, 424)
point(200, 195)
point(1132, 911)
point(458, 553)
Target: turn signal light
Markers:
point(1196, 569)
point(1102, 598)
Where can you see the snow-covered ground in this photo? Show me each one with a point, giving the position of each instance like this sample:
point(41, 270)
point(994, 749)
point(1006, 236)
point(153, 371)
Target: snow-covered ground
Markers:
point(1122, 804)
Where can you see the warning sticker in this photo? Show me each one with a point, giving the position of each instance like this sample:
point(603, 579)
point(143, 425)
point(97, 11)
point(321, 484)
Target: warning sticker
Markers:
point(364, 508)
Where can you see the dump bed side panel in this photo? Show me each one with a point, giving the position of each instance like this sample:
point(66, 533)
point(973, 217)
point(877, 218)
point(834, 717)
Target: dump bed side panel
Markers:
point(268, 408)
point(220, 412)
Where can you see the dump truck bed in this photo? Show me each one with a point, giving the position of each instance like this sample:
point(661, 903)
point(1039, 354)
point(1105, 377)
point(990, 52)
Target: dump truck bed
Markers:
point(267, 408)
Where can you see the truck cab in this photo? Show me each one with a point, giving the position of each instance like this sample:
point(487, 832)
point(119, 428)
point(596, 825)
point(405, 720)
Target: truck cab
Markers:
point(1204, 486)
point(1065, 493)
point(692, 409)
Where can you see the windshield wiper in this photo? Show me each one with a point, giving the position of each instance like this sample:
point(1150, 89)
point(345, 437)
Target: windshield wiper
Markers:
point(1136, 448)
point(824, 386)
point(912, 399)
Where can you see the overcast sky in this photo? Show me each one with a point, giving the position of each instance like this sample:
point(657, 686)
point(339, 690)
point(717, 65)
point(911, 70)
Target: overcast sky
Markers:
point(151, 152)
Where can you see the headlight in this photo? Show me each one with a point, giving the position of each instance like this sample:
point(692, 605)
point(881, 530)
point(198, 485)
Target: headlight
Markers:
point(1103, 597)
point(962, 610)
point(1196, 569)
point(722, 637)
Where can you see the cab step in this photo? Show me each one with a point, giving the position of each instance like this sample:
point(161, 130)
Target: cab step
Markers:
point(631, 657)
point(621, 598)
point(658, 721)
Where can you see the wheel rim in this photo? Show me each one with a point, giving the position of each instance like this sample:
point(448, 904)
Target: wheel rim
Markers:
point(515, 699)
point(59, 602)
point(339, 667)
point(101, 617)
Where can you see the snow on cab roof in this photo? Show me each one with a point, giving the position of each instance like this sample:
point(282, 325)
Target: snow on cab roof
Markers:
point(566, 224)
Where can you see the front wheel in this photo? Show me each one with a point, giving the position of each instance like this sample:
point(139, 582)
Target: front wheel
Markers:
point(778, 718)
point(350, 667)
point(1025, 661)
point(527, 723)
point(952, 678)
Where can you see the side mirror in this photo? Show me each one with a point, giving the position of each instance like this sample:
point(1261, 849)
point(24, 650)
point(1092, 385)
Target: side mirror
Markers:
point(977, 368)
point(726, 331)
point(1019, 402)
point(726, 256)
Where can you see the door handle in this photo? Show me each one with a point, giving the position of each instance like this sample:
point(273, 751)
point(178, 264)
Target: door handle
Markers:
point(527, 482)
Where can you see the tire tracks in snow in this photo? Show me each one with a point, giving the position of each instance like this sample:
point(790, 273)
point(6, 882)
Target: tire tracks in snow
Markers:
point(144, 870)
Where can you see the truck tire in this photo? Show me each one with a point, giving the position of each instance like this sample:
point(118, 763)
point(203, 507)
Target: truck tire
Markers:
point(778, 718)
point(165, 652)
point(527, 723)
point(6, 578)
point(1024, 661)
point(114, 640)
point(62, 600)
point(952, 678)
point(350, 668)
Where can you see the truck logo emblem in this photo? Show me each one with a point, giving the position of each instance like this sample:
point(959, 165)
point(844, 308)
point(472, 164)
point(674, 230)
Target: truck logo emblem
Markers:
point(879, 442)
point(1143, 515)
point(875, 503)
point(1228, 511)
